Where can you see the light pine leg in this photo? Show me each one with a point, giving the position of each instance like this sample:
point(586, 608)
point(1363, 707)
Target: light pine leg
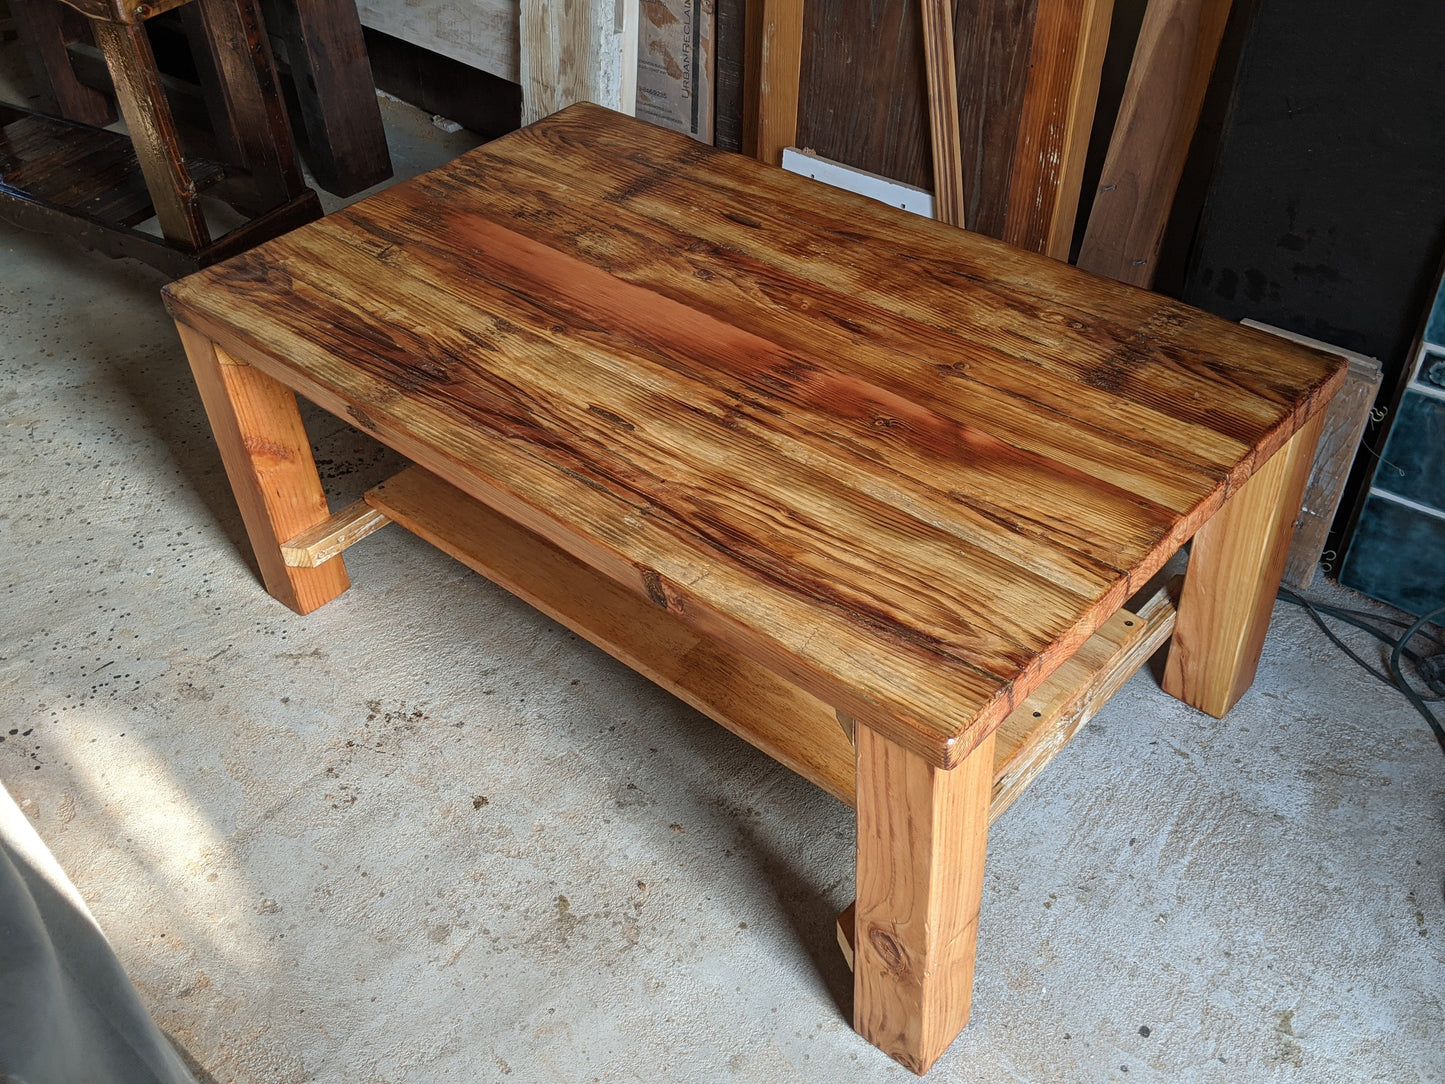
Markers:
point(1234, 568)
point(922, 833)
point(268, 460)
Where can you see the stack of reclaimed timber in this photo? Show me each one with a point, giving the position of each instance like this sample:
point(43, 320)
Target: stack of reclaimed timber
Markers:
point(1007, 130)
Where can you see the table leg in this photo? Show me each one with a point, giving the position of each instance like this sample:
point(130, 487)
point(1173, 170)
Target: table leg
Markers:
point(268, 460)
point(44, 36)
point(1235, 564)
point(922, 833)
point(152, 130)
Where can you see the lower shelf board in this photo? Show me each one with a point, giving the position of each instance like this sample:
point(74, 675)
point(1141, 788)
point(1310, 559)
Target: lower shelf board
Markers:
point(68, 179)
point(791, 726)
point(89, 172)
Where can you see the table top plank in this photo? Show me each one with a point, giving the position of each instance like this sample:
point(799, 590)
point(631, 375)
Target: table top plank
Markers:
point(894, 448)
point(616, 416)
point(897, 683)
point(1139, 347)
point(909, 488)
point(976, 382)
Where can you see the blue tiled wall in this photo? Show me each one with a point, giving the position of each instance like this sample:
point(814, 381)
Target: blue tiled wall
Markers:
point(1397, 553)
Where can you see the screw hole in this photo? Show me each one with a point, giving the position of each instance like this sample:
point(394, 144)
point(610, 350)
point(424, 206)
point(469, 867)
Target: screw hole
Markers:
point(1037, 714)
point(1128, 624)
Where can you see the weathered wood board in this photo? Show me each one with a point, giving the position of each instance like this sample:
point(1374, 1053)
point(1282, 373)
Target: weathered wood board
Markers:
point(582, 51)
point(1345, 421)
point(479, 33)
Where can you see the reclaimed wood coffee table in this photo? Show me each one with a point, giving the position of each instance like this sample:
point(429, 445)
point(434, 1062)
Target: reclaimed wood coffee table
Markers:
point(803, 459)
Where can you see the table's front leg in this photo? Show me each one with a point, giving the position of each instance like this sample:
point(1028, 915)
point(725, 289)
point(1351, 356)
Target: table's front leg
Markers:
point(268, 460)
point(921, 839)
point(1235, 563)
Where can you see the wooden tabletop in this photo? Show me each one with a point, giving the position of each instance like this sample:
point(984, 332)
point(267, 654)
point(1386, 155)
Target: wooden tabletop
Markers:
point(907, 467)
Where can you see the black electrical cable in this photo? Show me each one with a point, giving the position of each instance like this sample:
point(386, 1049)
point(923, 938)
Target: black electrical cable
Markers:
point(1405, 687)
point(1399, 648)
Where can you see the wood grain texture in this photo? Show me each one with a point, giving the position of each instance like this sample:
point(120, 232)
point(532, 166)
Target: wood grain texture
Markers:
point(583, 51)
point(268, 461)
point(905, 468)
point(148, 119)
point(864, 93)
point(337, 532)
point(1167, 82)
point(772, 71)
point(1039, 728)
point(922, 833)
point(41, 26)
point(250, 96)
point(943, 121)
point(730, 86)
point(1340, 436)
point(1235, 563)
point(335, 91)
point(1066, 58)
point(786, 723)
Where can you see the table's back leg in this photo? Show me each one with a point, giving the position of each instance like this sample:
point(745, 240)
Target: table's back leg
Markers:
point(1235, 564)
point(268, 460)
point(921, 839)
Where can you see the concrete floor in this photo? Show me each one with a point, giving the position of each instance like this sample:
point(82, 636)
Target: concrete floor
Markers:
point(426, 835)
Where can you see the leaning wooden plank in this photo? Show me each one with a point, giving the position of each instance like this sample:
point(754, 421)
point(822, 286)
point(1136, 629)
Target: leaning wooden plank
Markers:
point(332, 535)
point(1065, 61)
point(794, 728)
point(1345, 421)
point(480, 33)
point(943, 122)
point(1040, 727)
point(581, 51)
point(771, 73)
point(1162, 98)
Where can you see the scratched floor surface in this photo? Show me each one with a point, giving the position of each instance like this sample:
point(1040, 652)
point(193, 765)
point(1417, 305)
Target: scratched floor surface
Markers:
point(426, 835)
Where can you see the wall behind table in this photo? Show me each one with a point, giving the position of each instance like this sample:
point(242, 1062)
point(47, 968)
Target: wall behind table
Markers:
point(1326, 212)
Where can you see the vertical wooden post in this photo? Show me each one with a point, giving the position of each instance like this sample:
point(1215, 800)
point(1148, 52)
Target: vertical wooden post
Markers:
point(1167, 82)
point(583, 50)
point(268, 460)
point(943, 122)
point(1066, 59)
point(250, 99)
point(152, 130)
point(41, 24)
point(922, 833)
point(336, 91)
point(772, 71)
point(1235, 564)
